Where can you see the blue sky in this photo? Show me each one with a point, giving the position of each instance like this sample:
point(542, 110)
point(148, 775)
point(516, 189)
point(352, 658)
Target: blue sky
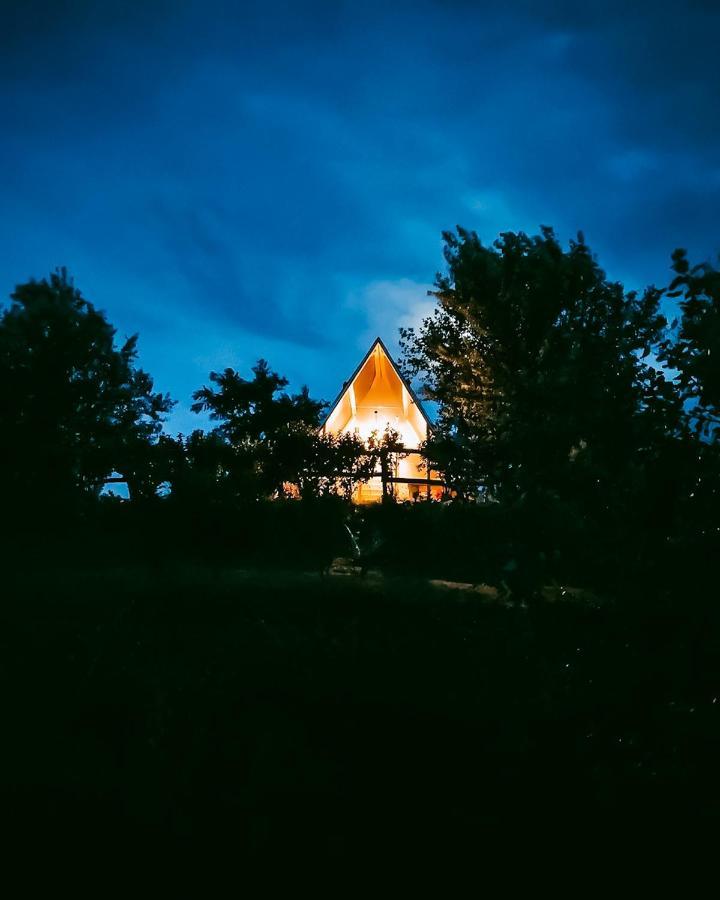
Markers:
point(236, 180)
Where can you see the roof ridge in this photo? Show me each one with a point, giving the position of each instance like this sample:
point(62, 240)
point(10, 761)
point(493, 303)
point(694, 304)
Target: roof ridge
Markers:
point(346, 384)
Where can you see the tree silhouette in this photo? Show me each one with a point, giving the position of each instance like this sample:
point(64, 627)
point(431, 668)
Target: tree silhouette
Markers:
point(388, 449)
point(272, 439)
point(201, 469)
point(695, 354)
point(299, 457)
point(536, 361)
point(74, 407)
point(692, 482)
point(251, 410)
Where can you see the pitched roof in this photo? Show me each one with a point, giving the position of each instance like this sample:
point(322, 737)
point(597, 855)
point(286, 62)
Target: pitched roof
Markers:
point(413, 396)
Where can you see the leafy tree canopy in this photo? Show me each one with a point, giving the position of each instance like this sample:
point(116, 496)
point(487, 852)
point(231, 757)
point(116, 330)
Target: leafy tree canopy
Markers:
point(74, 406)
point(250, 410)
point(274, 445)
point(695, 352)
point(536, 361)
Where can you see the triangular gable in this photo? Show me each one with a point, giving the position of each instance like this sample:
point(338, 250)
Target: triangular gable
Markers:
point(346, 388)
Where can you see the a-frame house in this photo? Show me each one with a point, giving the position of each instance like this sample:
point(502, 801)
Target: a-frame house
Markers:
point(377, 397)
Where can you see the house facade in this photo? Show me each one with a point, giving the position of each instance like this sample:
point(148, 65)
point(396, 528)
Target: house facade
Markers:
point(377, 398)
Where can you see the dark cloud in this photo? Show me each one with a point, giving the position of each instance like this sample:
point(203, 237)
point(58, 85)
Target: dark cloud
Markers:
point(272, 174)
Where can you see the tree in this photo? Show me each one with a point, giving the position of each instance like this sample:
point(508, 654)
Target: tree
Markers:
point(254, 416)
point(350, 462)
point(537, 363)
point(200, 468)
point(74, 407)
point(300, 458)
point(695, 353)
point(273, 438)
point(249, 410)
point(693, 356)
point(388, 449)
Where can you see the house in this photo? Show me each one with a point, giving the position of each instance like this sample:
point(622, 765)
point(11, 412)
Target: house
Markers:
point(377, 397)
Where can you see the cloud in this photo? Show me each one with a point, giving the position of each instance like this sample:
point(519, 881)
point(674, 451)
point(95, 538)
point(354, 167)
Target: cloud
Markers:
point(387, 306)
point(236, 183)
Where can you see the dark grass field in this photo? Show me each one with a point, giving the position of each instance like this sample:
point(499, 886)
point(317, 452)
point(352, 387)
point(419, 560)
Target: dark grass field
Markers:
point(284, 715)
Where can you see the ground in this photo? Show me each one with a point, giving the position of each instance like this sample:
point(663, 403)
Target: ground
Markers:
point(293, 714)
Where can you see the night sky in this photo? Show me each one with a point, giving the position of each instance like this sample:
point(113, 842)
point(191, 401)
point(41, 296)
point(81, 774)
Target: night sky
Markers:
point(241, 180)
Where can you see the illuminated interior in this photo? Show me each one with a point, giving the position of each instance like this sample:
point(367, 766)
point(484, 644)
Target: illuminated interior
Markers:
point(375, 398)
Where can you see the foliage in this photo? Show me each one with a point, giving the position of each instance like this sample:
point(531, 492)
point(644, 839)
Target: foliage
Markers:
point(74, 407)
point(693, 355)
point(252, 410)
point(388, 449)
point(204, 469)
point(579, 435)
point(535, 360)
point(316, 464)
point(695, 352)
point(271, 441)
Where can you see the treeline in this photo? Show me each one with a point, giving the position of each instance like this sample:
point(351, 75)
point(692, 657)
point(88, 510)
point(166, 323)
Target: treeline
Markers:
point(77, 412)
point(577, 430)
point(590, 418)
